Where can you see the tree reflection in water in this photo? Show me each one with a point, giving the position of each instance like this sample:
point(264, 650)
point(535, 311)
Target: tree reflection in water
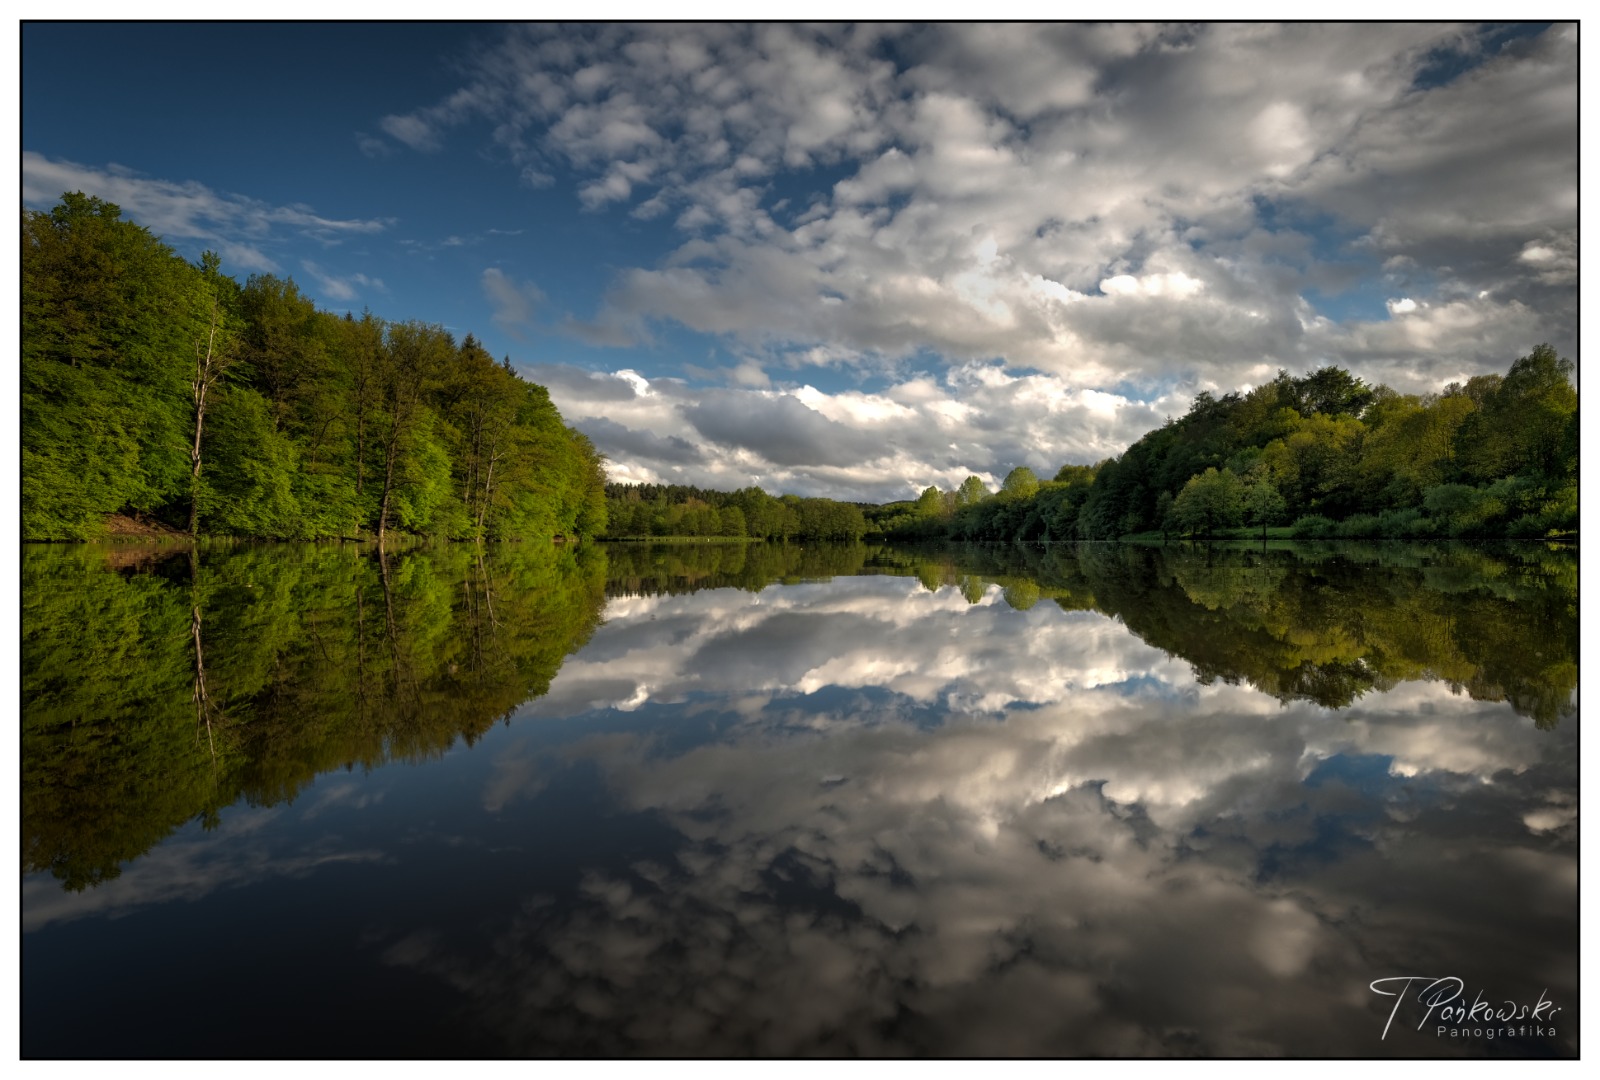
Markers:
point(823, 800)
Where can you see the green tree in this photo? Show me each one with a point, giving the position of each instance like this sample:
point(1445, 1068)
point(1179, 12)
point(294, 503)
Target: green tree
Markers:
point(1208, 502)
point(1525, 423)
point(108, 314)
point(1263, 505)
point(413, 357)
point(1020, 483)
point(248, 490)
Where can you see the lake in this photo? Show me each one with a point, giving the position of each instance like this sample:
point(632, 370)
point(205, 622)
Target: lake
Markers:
point(762, 800)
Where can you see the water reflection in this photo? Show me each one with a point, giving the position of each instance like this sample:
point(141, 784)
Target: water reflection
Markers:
point(167, 687)
point(1096, 801)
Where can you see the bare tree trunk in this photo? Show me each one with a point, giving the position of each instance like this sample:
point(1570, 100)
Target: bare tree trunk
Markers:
point(388, 487)
point(488, 489)
point(194, 466)
point(204, 376)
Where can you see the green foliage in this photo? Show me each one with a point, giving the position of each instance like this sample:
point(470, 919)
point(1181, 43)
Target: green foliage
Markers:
point(1312, 527)
point(248, 489)
point(1208, 502)
point(1020, 483)
point(635, 511)
point(110, 317)
point(1316, 449)
point(310, 425)
point(1526, 423)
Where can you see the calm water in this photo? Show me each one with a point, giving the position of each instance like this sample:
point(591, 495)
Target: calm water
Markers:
point(657, 801)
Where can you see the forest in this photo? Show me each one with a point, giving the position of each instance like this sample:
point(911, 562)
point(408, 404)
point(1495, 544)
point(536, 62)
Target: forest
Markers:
point(164, 393)
point(640, 511)
point(1324, 454)
point(1320, 456)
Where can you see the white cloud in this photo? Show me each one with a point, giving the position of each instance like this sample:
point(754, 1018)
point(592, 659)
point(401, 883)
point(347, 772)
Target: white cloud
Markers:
point(339, 289)
point(239, 227)
point(885, 444)
point(1087, 201)
point(513, 304)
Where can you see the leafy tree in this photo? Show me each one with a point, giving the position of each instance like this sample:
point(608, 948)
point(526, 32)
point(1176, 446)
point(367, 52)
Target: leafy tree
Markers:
point(131, 358)
point(108, 313)
point(1020, 483)
point(1208, 502)
point(1263, 505)
point(249, 489)
point(413, 357)
point(1524, 425)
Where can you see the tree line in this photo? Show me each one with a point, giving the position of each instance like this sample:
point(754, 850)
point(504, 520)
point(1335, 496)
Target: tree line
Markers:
point(639, 511)
point(167, 392)
point(1494, 457)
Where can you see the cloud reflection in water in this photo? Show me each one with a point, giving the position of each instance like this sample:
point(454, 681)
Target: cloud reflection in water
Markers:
point(913, 825)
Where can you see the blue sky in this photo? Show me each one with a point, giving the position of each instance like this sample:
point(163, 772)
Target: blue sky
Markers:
point(858, 260)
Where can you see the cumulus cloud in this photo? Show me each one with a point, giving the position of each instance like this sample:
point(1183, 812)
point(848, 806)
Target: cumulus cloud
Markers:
point(889, 443)
point(241, 229)
point(1100, 203)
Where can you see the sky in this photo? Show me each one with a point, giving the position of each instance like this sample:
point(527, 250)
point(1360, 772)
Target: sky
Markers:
point(854, 261)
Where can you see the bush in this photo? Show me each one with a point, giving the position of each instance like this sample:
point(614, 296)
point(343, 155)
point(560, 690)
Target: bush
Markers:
point(1468, 511)
point(1407, 524)
point(1312, 527)
point(1527, 527)
point(1359, 527)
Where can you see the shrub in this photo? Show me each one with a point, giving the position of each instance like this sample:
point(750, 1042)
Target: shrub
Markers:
point(1407, 524)
point(1359, 527)
point(1312, 527)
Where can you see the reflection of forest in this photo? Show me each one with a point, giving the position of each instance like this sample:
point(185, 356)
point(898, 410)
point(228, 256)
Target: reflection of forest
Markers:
point(1318, 622)
point(158, 687)
point(672, 568)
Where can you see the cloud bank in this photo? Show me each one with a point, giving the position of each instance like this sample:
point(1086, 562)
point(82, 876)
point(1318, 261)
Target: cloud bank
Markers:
point(1116, 206)
point(1075, 199)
